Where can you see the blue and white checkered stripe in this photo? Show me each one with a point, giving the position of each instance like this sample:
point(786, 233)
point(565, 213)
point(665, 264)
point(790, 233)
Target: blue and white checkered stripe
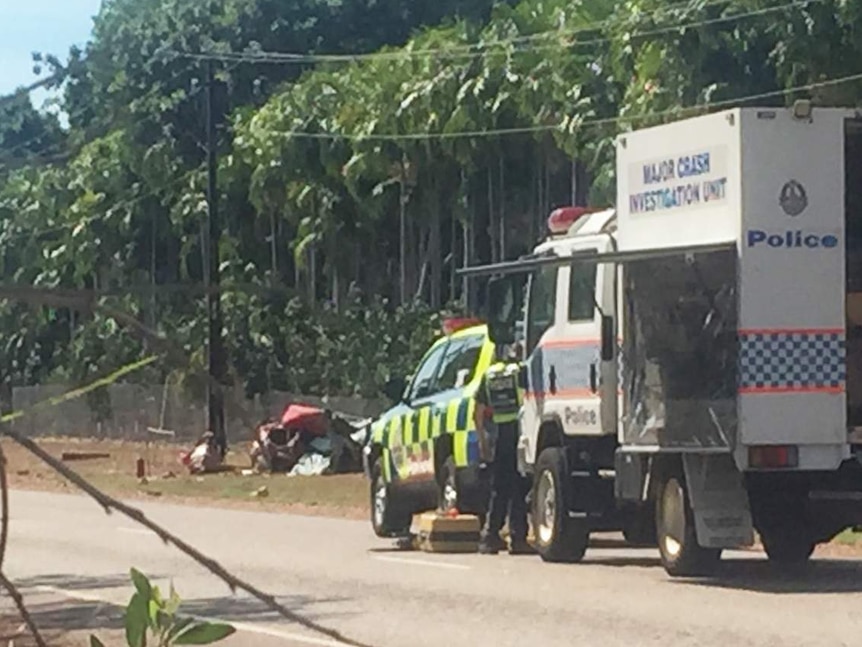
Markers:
point(791, 360)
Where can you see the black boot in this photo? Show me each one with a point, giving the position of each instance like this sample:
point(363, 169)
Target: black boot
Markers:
point(491, 545)
point(520, 547)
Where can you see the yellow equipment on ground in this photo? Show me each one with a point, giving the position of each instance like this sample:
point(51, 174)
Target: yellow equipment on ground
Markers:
point(440, 533)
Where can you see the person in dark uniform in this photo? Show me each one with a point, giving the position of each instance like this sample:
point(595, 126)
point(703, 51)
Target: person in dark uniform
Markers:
point(498, 399)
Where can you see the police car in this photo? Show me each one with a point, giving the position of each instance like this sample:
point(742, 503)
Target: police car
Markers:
point(423, 453)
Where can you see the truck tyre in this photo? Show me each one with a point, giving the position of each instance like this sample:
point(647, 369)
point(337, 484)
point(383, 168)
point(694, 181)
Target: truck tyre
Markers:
point(559, 538)
point(787, 547)
point(681, 555)
point(388, 518)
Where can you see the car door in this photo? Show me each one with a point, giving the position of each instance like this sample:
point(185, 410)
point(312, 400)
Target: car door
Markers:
point(460, 374)
point(405, 446)
point(448, 409)
point(565, 374)
point(445, 407)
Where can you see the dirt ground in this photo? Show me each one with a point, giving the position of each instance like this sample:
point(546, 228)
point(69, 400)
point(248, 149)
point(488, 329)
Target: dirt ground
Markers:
point(337, 495)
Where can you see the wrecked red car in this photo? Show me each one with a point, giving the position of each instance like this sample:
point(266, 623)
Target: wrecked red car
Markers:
point(306, 440)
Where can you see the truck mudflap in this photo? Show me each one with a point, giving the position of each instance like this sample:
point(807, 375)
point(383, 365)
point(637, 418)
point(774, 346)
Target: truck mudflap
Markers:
point(719, 501)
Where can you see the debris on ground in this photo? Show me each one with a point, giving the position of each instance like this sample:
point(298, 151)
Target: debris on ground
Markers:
point(83, 456)
point(204, 457)
point(308, 441)
point(261, 492)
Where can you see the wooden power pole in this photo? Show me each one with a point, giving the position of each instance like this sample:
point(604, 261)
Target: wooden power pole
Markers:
point(216, 361)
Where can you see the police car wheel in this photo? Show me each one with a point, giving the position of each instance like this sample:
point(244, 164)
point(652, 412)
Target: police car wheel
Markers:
point(559, 538)
point(387, 519)
point(681, 555)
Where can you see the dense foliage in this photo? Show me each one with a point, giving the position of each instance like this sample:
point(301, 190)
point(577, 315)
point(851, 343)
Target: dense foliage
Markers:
point(351, 186)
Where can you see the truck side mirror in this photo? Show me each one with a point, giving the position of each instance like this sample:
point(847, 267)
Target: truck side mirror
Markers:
point(608, 338)
point(503, 308)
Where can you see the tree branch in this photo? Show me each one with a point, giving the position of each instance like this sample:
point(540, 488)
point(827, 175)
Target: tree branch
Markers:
point(109, 503)
point(11, 589)
point(87, 301)
point(15, 594)
point(4, 501)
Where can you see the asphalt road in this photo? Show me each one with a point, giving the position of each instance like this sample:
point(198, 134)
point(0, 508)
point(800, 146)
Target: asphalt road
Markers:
point(337, 573)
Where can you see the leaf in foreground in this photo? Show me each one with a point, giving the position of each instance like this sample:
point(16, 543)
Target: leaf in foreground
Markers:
point(137, 621)
point(204, 633)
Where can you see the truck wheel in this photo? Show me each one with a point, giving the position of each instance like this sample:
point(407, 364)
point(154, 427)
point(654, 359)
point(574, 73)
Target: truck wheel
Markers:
point(681, 555)
point(559, 538)
point(787, 547)
point(388, 518)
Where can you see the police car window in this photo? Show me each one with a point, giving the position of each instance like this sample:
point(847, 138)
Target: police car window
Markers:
point(543, 304)
point(424, 380)
point(459, 363)
point(582, 292)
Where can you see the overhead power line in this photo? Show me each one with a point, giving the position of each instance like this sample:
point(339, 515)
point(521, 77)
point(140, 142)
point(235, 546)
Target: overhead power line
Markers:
point(6, 152)
point(472, 50)
point(568, 124)
point(282, 58)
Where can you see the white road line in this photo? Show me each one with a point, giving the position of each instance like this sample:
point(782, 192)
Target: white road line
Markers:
point(422, 562)
point(240, 626)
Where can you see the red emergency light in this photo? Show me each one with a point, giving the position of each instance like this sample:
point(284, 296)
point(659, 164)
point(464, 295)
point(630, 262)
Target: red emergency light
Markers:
point(454, 324)
point(562, 219)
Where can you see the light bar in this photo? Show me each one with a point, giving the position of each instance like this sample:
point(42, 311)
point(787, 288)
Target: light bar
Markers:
point(562, 219)
point(454, 324)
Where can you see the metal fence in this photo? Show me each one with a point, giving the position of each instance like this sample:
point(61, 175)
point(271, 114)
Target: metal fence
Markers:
point(131, 412)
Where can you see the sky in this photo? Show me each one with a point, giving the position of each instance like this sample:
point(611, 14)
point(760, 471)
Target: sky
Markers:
point(51, 26)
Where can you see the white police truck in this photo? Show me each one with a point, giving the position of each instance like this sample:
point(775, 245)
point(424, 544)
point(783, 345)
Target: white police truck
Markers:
point(692, 357)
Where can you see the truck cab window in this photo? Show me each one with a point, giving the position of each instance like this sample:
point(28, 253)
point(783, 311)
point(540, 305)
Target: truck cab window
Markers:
point(582, 292)
point(542, 305)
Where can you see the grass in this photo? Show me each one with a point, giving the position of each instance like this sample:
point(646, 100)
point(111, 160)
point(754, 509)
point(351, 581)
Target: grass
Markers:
point(849, 538)
point(338, 495)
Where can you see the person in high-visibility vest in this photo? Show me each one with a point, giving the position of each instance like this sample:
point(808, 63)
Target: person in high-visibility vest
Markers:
point(498, 400)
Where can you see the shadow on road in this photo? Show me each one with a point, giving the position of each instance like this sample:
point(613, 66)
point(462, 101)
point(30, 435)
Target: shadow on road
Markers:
point(629, 560)
point(70, 614)
point(608, 542)
point(80, 582)
point(76, 616)
point(236, 609)
point(761, 576)
point(73, 615)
